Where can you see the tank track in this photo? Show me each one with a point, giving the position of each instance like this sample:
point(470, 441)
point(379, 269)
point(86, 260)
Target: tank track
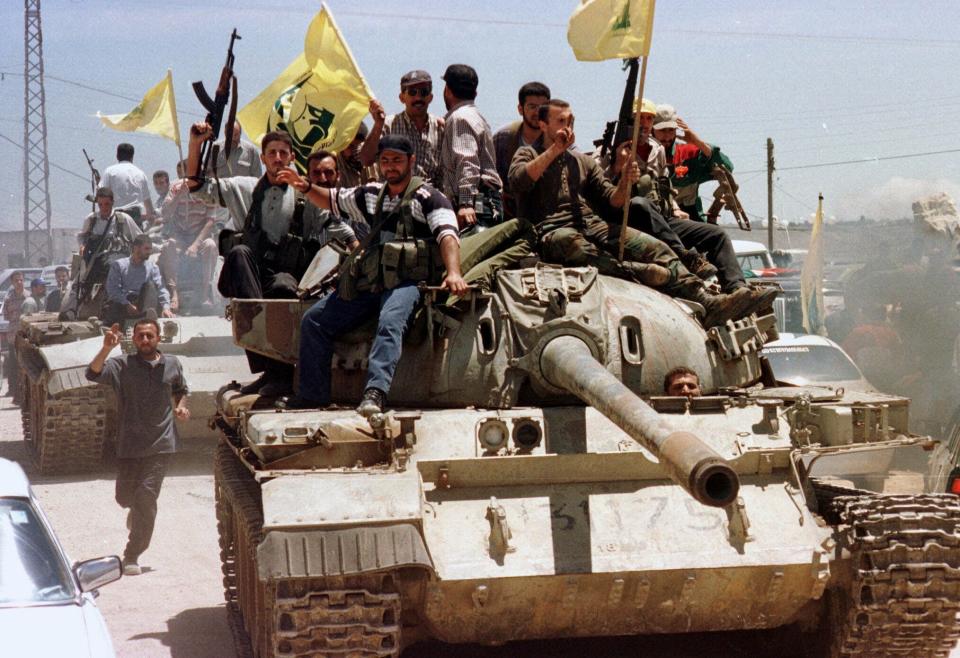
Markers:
point(67, 432)
point(354, 616)
point(905, 594)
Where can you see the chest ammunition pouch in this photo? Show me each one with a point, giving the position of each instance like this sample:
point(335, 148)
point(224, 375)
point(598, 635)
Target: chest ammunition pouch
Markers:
point(292, 254)
point(412, 255)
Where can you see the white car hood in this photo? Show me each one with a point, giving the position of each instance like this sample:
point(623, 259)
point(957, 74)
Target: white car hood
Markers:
point(56, 631)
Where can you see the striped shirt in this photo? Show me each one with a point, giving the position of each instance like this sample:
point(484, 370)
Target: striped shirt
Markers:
point(467, 156)
point(426, 144)
point(429, 207)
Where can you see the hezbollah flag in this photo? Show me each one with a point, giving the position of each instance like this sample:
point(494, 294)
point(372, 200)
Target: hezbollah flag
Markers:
point(811, 278)
point(611, 29)
point(156, 113)
point(319, 100)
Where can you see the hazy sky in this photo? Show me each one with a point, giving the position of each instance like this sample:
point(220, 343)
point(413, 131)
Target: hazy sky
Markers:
point(828, 81)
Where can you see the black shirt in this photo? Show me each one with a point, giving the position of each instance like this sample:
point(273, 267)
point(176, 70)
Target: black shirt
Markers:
point(145, 392)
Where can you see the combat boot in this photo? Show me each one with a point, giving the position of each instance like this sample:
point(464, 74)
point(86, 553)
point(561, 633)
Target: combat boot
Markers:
point(720, 308)
point(649, 274)
point(372, 402)
point(697, 263)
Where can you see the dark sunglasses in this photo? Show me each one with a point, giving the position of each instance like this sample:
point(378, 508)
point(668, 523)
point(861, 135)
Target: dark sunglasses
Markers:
point(423, 92)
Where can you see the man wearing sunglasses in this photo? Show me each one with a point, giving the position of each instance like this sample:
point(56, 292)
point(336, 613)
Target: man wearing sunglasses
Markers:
point(424, 130)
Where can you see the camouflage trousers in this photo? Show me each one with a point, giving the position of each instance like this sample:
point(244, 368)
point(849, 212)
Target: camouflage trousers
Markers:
point(597, 243)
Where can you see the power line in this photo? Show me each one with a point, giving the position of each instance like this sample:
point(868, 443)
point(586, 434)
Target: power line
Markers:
point(52, 164)
point(860, 161)
point(99, 90)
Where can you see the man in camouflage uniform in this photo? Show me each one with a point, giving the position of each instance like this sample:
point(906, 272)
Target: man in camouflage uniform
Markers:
point(549, 179)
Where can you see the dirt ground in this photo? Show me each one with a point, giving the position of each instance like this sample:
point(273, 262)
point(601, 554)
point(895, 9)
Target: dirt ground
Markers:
point(175, 609)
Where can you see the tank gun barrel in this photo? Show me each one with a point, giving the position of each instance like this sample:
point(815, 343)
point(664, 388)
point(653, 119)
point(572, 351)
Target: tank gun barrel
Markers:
point(566, 362)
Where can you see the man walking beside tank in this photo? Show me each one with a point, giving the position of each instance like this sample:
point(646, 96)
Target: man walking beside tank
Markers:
point(151, 391)
point(511, 137)
point(470, 178)
point(424, 130)
point(12, 306)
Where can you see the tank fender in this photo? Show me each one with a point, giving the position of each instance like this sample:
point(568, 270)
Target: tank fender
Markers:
point(349, 551)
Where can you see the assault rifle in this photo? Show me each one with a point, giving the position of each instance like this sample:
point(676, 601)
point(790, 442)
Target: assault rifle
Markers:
point(728, 199)
point(619, 131)
point(94, 180)
point(226, 91)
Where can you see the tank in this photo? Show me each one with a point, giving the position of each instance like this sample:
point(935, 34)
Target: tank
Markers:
point(69, 423)
point(531, 480)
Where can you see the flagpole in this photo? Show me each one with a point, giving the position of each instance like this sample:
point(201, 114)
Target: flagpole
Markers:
point(346, 47)
point(636, 135)
point(173, 109)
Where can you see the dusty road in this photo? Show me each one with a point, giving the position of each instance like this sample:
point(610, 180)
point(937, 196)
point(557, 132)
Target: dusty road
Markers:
point(175, 609)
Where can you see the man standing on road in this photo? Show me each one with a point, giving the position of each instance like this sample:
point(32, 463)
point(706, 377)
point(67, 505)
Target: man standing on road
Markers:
point(151, 391)
point(12, 304)
point(37, 300)
point(61, 291)
point(130, 186)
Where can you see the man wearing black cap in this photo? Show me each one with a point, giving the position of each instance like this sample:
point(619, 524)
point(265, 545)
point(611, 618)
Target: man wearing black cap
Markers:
point(424, 130)
point(467, 157)
point(413, 238)
point(352, 170)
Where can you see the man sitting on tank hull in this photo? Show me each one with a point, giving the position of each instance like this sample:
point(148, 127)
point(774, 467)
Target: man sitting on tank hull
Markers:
point(413, 238)
point(565, 194)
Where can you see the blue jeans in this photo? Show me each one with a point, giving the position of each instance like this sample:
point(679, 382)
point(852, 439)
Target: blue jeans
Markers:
point(332, 316)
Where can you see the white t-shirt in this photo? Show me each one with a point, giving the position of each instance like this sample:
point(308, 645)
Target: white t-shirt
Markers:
point(129, 184)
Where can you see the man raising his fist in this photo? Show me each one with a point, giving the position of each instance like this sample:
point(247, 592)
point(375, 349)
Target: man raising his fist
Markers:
point(151, 391)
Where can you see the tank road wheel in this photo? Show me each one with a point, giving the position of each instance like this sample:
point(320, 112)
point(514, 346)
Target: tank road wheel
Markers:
point(67, 431)
point(905, 593)
point(352, 616)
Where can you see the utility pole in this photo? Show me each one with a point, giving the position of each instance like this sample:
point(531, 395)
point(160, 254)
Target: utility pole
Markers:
point(770, 169)
point(37, 239)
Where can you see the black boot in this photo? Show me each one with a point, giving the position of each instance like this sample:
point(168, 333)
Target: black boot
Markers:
point(372, 402)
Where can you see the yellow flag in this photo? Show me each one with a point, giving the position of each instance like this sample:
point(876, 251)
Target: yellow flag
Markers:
point(611, 29)
point(319, 100)
point(156, 113)
point(811, 278)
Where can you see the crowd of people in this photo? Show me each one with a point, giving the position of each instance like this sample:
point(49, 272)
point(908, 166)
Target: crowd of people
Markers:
point(399, 200)
point(418, 177)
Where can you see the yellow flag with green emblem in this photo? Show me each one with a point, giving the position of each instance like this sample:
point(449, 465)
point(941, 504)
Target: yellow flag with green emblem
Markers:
point(319, 99)
point(156, 114)
point(611, 29)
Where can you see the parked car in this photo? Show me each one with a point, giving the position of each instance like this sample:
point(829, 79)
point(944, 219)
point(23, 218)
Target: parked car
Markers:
point(47, 606)
point(801, 359)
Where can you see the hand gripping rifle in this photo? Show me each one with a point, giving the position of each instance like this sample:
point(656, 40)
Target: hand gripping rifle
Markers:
point(619, 131)
point(226, 91)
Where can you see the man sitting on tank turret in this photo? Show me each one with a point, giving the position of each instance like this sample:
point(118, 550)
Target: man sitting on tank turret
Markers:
point(413, 237)
point(567, 197)
point(107, 229)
